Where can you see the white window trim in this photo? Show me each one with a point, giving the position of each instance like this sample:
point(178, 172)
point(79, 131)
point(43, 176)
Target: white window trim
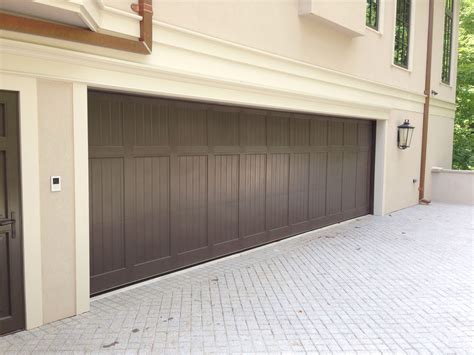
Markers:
point(454, 46)
point(411, 39)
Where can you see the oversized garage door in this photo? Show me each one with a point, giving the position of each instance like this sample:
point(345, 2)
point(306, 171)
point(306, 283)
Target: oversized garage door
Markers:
point(175, 183)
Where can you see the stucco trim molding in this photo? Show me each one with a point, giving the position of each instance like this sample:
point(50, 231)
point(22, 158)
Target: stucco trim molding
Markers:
point(189, 57)
point(279, 84)
point(195, 62)
point(190, 41)
point(437, 170)
point(442, 108)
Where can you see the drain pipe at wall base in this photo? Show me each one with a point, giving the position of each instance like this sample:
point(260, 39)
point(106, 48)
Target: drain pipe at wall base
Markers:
point(426, 107)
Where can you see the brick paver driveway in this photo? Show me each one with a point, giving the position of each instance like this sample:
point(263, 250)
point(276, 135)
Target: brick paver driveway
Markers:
point(400, 283)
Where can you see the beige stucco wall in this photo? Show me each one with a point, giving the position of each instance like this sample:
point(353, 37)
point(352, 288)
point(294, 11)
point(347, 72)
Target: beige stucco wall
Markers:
point(275, 26)
point(440, 147)
point(452, 186)
point(55, 132)
point(403, 166)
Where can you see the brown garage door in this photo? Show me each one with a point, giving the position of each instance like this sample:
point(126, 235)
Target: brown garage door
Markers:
point(175, 183)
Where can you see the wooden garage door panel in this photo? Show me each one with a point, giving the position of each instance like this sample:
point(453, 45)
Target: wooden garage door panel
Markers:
point(349, 175)
point(190, 228)
point(223, 128)
point(175, 183)
point(150, 124)
point(105, 122)
point(152, 190)
point(277, 190)
point(334, 183)
point(363, 179)
point(319, 132)
point(318, 178)
point(106, 215)
point(225, 209)
point(299, 188)
point(252, 194)
point(253, 129)
point(189, 126)
point(278, 130)
point(300, 131)
point(335, 133)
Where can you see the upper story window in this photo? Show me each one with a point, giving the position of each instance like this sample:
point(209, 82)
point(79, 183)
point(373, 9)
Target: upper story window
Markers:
point(372, 14)
point(402, 33)
point(447, 42)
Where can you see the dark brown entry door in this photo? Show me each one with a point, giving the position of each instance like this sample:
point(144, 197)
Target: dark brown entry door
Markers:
point(11, 256)
point(175, 183)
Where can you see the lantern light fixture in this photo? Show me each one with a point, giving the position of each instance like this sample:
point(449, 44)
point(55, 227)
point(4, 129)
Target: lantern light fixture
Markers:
point(405, 134)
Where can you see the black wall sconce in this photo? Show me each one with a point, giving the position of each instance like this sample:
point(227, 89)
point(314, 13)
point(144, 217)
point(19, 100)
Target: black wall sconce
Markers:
point(405, 133)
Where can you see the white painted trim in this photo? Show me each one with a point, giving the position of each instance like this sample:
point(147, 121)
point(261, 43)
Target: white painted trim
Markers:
point(450, 86)
point(30, 195)
point(411, 45)
point(381, 16)
point(408, 70)
point(380, 167)
point(370, 29)
point(454, 48)
point(81, 196)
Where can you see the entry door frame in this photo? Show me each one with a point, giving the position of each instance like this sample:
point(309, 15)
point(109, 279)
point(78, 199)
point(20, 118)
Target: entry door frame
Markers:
point(12, 233)
point(30, 197)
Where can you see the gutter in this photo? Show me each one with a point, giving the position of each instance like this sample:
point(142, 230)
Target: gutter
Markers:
point(143, 45)
point(426, 106)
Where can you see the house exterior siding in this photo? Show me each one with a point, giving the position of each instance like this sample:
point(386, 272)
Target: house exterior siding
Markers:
point(249, 53)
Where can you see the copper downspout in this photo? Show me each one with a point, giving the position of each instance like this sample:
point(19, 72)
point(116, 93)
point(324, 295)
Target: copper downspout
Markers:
point(38, 27)
point(426, 108)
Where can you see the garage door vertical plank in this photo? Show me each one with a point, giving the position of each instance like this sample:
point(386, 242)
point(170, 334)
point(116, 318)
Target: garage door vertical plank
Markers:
point(174, 231)
point(299, 187)
point(129, 124)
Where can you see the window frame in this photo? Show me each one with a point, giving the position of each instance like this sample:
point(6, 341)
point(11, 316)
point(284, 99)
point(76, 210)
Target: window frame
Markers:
point(446, 59)
point(408, 24)
point(369, 3)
